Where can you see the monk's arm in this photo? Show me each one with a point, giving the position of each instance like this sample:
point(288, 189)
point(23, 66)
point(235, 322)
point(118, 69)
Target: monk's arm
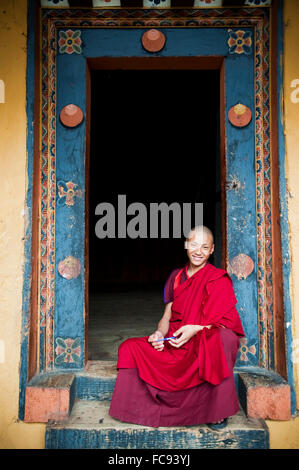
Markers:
point(163, 327)
point(163, 324)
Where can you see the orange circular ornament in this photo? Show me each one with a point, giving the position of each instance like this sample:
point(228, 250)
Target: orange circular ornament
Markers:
point(69, 268)
point(239, 115)
point(241, 266)
point(71, 115)
point(153, 40)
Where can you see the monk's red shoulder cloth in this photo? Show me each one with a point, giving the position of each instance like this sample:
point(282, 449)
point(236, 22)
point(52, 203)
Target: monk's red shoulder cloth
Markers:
point(206, 298)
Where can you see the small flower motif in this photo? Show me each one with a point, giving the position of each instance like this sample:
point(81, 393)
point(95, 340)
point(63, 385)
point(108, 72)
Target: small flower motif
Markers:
point(67, 350)
point(112, 3)
point(70, 41)
point(67, 192)
point(157, 2)
point(244, 349)
point(239, 42)
point(258, 3)
point(209, 3)
point(55, 2)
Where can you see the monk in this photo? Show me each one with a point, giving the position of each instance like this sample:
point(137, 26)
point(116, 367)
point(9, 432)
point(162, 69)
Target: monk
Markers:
point(182, 374)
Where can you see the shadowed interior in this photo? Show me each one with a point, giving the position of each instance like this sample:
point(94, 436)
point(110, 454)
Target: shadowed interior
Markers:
point(154, 138)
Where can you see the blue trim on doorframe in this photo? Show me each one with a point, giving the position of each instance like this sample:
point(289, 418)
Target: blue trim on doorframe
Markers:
point(26, 294)
point(284, 225)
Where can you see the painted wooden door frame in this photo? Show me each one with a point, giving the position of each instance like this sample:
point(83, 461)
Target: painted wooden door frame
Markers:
point(268, 202)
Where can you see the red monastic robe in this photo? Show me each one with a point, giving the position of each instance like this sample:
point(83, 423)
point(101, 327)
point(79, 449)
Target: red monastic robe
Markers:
point(206, 298)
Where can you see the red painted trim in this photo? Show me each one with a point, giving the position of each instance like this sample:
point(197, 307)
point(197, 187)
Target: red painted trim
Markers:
point(158, 63)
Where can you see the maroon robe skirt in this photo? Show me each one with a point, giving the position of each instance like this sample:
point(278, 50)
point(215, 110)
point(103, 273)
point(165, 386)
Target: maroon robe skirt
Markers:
point(135, 401)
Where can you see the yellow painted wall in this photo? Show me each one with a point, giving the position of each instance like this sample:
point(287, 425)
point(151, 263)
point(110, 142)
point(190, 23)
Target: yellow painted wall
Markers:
point(13, 32)
point(291, 105)
point(285, 435)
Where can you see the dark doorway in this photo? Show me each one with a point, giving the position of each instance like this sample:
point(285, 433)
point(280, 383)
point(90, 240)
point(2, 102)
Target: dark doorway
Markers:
point(154, 138)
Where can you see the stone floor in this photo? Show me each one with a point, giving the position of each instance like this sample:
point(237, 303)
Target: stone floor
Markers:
point(116, 316)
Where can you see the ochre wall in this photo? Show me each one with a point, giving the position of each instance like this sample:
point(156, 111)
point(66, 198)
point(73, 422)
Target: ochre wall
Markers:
point(285, 435)
point(291, 106)
point(13, 181)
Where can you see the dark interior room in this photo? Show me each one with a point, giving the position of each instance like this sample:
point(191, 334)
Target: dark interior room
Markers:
point(154, 138)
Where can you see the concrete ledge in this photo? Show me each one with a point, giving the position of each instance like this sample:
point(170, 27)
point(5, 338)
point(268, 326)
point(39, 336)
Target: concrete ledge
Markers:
point(49, 397)
point(265, 395)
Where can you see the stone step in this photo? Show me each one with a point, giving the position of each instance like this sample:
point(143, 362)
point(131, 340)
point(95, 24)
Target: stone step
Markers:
point(96, 381)
point(264, 394)
point(49, 396)
point(90, 427)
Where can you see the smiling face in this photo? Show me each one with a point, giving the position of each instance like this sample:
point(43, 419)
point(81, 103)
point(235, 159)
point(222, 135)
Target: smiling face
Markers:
point(200, 246)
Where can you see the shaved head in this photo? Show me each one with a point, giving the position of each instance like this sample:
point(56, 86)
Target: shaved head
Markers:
point(200, 246)
point(200, 230)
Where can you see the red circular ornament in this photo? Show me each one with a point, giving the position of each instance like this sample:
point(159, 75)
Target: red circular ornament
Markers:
point(69, 268)
point(153, 40)
point(241, 266)
point(71, 115)
point(239, 115)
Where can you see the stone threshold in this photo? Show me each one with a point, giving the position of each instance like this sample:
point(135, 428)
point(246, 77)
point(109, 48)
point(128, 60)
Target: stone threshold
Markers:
point(90, 426)
point(262, 393)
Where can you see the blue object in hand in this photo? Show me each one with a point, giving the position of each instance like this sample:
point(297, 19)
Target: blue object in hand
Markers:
point(166, 339)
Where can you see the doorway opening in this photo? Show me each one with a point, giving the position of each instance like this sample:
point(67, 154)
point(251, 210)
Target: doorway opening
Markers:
point(154, 137)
